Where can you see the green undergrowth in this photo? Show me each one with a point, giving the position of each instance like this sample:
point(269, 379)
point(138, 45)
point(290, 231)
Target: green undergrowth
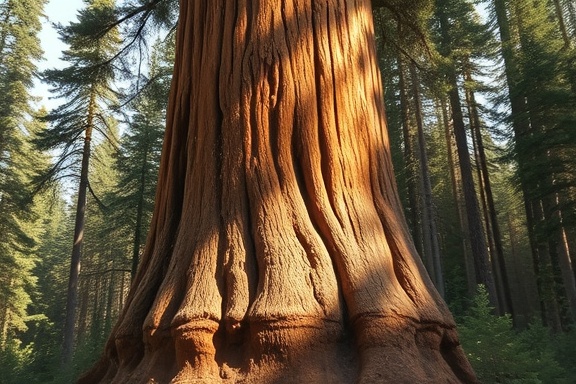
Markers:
point(501, 354)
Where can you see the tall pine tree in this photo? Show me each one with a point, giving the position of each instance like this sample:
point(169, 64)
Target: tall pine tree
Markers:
point(85, 85)
point(19, 52)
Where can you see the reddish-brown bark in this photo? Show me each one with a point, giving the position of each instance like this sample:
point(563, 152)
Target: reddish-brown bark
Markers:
point(278, 252)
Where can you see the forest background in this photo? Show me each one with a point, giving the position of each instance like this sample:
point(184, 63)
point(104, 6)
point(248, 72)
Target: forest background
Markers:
point(481, 108)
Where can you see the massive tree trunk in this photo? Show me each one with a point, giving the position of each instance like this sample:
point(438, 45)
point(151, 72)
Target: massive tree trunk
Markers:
point(278, 251)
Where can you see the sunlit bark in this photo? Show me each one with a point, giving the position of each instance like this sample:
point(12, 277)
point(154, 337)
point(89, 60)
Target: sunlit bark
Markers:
point(278, 252)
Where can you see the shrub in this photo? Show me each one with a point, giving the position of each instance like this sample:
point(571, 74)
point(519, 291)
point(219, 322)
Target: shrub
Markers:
point(499, 354)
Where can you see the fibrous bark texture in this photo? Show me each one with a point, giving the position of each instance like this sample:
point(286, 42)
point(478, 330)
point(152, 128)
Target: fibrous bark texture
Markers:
point(278, 252)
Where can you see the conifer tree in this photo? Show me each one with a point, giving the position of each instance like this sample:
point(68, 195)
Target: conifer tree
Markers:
point(406, 48)
point(49, 297)
point(101, 249)
point(19, 52)
point(20, 231)
point(85, 86)
point(452, 17)
point(429, 227)
point(138, 157)
point(542, 105)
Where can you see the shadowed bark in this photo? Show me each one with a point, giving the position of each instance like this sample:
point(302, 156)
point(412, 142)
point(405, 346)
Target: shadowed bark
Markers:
point(278, 252)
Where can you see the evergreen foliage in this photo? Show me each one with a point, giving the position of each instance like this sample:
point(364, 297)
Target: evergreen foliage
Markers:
point(19, 51)
point(86, 87)
point(80, 123)
point(542, 98)
point(49, 298)
point(137, 160)
point(565, 352)
point(499, 354)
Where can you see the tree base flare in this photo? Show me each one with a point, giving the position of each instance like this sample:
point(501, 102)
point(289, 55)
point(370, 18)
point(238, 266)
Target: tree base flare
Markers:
point(402, 350)
point(380, 350)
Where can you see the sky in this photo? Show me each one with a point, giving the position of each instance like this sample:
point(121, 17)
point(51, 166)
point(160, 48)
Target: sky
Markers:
point(56, 11)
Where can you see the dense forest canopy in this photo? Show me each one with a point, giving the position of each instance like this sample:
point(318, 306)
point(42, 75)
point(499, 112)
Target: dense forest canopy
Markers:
point(480, 111)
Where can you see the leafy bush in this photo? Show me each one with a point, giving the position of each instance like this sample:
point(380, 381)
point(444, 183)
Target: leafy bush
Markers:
point(34, 363)
point(499, 354)
point(13, 362)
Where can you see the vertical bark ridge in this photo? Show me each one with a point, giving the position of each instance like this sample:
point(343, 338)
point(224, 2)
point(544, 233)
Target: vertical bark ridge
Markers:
point(350, 171)
point(296, 112)
point(272, 176)
point(166, 215)
point(240, 275)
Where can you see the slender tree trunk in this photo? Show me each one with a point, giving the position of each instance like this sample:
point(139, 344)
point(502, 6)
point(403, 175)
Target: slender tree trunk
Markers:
point(561, 24)
point(429, 216)
point(139, 215)
point(82, 322)
point(122, 293)
point(544, 268)
point(486, 222)
point(563, 253)
point(491, 216)
point(570, 236)
point(475, 228)
point(567, 272)
point(72, 293)
point(410, 160)
point(521, 127)
point(110, 301)
point(278, 251)
point(516, 262)
point(96, 298)
point(536, 258)
point(455, 183)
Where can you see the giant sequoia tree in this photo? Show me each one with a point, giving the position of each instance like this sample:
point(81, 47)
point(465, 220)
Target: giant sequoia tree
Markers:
point(278, 251)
